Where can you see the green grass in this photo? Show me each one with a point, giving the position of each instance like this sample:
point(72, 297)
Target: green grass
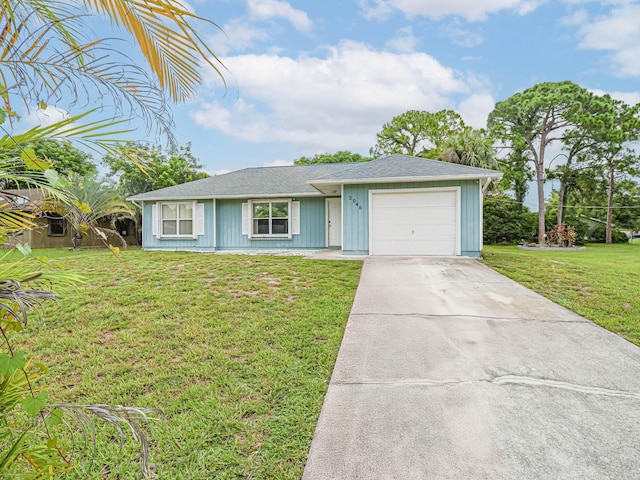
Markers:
point(601, 283)
point(236, 350)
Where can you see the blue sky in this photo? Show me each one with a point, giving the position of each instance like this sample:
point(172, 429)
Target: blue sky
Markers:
point(307, 77)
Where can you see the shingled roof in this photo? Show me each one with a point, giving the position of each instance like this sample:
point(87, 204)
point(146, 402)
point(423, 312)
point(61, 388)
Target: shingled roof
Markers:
point(250, 182)
point(314, 180)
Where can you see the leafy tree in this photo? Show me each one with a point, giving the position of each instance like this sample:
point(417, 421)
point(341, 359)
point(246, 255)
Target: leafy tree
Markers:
point(506, 221)
point(417, 133)
point(94, 200)
point(48, 54)
point(536, 118)
point(516, 172)
point(602, 235)
point(342, 156)
point(62, 156)
point(610, 156)
point(161, 168)
point(470, 147)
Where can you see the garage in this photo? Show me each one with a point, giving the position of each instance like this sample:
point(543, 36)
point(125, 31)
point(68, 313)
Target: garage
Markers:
point(415, 222)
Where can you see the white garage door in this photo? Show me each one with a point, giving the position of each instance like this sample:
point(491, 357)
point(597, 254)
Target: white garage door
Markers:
point(415, 223)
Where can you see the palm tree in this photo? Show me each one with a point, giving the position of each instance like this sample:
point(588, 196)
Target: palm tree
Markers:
point(48, 58)
point(470, 147)
point(93, 202)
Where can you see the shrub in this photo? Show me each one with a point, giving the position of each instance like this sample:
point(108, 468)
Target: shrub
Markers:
point(506, 221)
point(563, 235)
point(598, 235)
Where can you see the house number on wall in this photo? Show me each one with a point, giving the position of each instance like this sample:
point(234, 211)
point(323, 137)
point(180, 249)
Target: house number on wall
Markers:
point(355, 202)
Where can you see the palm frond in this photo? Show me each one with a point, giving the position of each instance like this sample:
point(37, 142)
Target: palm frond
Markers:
point(167, 38)
point(43, 69)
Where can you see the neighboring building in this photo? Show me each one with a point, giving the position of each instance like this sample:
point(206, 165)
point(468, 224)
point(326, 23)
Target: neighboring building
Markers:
point(594, 223)
point(395, 205)
point(52, 230)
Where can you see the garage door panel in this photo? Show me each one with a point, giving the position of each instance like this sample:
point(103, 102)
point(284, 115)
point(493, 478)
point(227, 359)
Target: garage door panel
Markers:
point(415, 223)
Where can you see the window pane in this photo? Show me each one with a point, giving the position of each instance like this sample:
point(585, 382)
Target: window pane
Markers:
point(260, 210)
point(169, 211)
point(56, 226)
point(280, 209)
point(280, 226)
point(186, 211)
point(186, 227)
point(261, 227)
point(169, 227)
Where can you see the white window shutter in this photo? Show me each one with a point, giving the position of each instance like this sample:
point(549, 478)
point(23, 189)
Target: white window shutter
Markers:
point(295, 218)
point(154, 219)
point(246, 219)
point(199, 218)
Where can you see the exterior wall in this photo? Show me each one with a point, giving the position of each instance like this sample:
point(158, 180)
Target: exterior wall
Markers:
point(355, 214)
point(203, 242)
point(312, 227)
point(227, 234)
point(39, 237)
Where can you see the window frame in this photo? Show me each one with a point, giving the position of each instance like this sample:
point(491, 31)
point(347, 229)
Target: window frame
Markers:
point(177, 235)
point(288, 218)
point(58, 219)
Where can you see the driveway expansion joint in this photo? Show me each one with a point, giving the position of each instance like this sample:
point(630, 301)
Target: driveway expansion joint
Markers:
point(505, 380)
point(428, 316)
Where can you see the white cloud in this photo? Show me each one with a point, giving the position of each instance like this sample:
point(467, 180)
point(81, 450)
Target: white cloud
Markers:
point(577, 18)
point(222, 171)
point(631, 98)
point(405, 41)
point(476, 108)
point(278, 163)
point(44, 117)
point(460, 36)
point(335, 102)
point(618, 33)
point(268, 9)
point(236, 35)
point(472, 10)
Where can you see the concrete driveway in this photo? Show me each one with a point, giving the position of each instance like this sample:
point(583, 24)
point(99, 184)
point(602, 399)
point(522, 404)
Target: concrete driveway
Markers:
point(448, 370)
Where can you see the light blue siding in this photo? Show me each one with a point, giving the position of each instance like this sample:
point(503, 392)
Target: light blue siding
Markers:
point(312, 227)
point(228, 223)
point(203, 242)
point(356, 214)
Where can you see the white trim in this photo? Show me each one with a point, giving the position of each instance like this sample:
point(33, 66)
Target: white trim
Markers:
point(327, 218)
point(326, 222)
point(177, 236)
point(294, 218)
point(154, 219)
point(200, 224)
point(457, 189)
point(434, 178)
point(244, 196)
point(342, 214)
point(481, 192)
point(286, 236)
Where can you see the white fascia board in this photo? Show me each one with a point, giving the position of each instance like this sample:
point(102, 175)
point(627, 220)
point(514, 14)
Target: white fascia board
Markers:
point(435, 178)
point(225, 197)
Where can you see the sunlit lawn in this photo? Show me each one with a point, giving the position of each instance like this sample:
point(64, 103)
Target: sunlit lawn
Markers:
point(601, 283)
point(236, 350)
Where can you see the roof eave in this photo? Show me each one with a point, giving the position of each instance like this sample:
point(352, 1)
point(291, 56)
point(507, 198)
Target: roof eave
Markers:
point(223, 197)
point(432, 178)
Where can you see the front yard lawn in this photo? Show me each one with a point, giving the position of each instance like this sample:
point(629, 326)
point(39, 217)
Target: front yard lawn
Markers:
point(236, 350)
point(601, 283)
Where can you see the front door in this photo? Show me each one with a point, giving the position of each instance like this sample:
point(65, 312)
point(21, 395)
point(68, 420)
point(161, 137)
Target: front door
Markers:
point(334, 222)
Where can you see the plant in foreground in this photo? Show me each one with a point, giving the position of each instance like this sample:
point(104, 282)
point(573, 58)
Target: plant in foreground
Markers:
point(39, 439)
